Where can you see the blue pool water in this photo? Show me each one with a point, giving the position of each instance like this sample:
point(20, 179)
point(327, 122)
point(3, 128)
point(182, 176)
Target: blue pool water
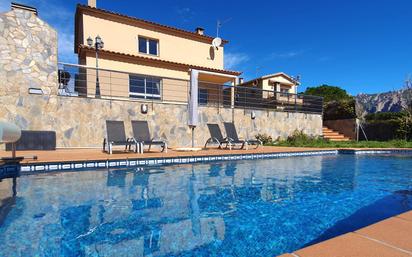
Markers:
point(243, 208)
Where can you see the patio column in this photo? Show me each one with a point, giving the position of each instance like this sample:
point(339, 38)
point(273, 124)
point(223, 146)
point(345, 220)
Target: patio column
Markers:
point(193, 103)
point(232, 92)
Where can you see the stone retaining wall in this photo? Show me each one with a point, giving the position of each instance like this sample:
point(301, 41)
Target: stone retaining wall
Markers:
point(28, 54)
point(80, 122)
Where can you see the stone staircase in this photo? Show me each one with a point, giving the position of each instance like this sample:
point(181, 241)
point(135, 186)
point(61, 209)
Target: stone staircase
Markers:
point(333, 135)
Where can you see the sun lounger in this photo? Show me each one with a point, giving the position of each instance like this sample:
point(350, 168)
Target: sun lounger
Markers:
point(116, 135)
point(216, 136)
point(233, 137)
point(141, 134)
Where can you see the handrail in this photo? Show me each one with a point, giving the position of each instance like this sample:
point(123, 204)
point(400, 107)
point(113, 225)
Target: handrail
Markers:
point(117, 71)
point(78, 81)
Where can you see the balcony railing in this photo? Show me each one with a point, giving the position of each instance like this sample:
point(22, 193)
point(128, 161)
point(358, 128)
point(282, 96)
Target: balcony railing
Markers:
point(255, 98)
point(82, 81)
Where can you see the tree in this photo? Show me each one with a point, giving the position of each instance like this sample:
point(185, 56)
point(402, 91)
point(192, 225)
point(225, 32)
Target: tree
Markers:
point(329, 93)
point(405, 129)
point(337, 103)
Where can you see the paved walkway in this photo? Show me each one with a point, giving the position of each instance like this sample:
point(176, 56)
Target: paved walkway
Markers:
point(389, 238)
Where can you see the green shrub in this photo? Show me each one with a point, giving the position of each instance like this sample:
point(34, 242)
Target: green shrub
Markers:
point(381, 130)
point(265, 139)
point(339, 110)
point(404, 130)
point(383, 126)
point(299, 138)
point(329, 93)
point(379, 116)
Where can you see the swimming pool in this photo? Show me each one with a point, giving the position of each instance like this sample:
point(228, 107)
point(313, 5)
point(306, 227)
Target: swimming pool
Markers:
point(234, 208)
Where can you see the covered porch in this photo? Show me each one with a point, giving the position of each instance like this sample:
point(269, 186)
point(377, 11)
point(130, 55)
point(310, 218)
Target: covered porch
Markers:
point(215, 89)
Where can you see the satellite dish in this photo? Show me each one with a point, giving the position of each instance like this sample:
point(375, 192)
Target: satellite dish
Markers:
point(217, 42)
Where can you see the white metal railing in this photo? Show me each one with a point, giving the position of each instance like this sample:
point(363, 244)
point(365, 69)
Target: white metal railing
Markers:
point(81, 81)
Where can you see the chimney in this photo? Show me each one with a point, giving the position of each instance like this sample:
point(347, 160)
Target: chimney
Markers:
point(91, 3)
point(200, 31)
point(16, 6)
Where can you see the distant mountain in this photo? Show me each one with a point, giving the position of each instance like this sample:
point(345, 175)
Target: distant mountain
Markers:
point(384, 102)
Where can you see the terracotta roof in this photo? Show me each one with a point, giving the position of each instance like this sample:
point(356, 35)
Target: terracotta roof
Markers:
point(159, 61)
point(121, 17)
point(272, 76)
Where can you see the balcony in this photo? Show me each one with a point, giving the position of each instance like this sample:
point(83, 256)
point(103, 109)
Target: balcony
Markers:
point(82, 81)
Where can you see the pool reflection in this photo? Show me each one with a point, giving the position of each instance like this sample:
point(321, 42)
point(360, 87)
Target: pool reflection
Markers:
point(161, 210)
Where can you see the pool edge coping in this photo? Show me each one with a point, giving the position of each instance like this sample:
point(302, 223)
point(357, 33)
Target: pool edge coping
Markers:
point(156, 161)
point(39, 167)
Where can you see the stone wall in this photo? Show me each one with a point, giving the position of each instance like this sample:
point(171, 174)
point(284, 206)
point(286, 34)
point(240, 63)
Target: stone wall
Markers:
point(28, 53)
point(80, 122)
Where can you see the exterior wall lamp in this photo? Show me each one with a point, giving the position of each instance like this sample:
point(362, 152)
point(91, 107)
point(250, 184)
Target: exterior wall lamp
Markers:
point(98, 45)
point(253, 115)
point(144, 108)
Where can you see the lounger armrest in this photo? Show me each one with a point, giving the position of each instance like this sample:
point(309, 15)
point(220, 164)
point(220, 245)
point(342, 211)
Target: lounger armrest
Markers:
point(158, 139)
point(132, 139)
point(229, 139)
point(215, 140)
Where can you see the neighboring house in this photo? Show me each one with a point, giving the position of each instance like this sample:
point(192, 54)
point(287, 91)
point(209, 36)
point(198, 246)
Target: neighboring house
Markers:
point(279, 82)
point(278, 87)
point(155, 60)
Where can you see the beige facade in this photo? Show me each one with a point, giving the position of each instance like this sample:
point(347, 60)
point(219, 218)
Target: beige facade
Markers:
point(123, 38)
point(115, 83)
point(175, 53)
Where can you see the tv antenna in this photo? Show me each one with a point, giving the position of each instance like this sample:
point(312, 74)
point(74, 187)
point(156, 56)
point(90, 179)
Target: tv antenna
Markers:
point(217, 41)
point(297, 79)
point(219, 24)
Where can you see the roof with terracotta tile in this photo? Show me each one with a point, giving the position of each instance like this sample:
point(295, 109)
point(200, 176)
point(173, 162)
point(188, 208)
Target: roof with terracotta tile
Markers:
point(272, 76)
point(159, 61)
point(141, 22)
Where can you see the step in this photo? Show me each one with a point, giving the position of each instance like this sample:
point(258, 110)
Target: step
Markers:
point(335, 137)
point(339, 139)
point(331, 133)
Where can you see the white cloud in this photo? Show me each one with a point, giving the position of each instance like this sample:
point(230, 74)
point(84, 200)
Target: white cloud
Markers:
point(59, 16)
point(234, 60)
point(66, 47)
point(185, 13)
point(286, 55)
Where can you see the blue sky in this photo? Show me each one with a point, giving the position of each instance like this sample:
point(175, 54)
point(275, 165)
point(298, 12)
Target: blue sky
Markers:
point(362, 46)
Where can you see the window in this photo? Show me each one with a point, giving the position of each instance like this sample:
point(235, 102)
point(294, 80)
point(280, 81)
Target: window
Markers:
point(202, 96)
point(144, 87)
point(148, 46)
point(284, 91)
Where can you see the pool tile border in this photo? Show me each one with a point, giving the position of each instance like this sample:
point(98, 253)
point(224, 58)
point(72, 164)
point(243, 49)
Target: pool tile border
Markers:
point(375, 151)
point(142, 162)
point(139, 162)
